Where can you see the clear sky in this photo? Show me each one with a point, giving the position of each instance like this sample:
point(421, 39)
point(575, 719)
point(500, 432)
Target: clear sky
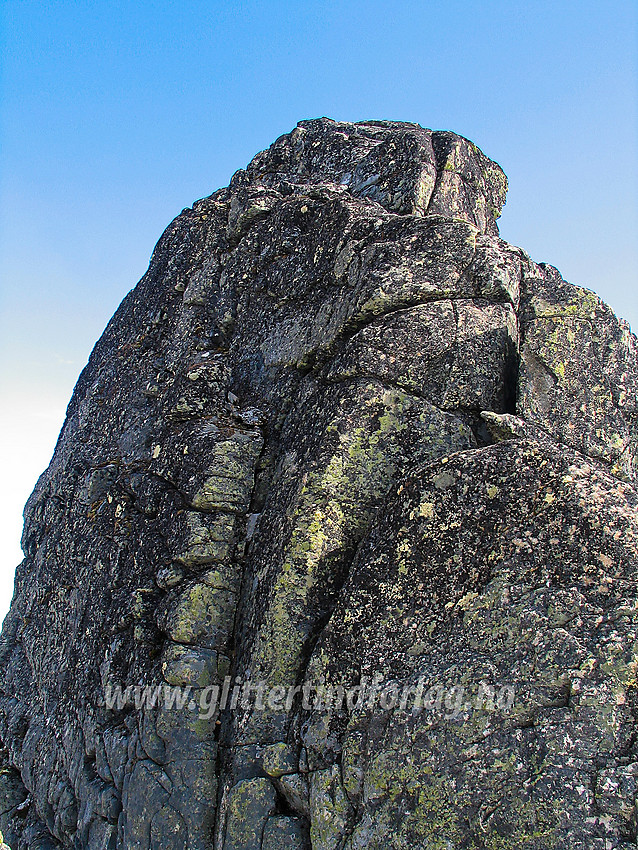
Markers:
point(115, 116)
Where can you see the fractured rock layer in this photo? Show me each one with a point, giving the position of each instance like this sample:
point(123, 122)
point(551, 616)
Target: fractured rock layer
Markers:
point(340, 430)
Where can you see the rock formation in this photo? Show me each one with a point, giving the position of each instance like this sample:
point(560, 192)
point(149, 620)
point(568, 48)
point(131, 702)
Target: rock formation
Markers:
point(339, 435)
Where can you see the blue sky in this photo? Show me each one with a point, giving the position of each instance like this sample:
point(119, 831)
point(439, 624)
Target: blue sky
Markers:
point(115, 116)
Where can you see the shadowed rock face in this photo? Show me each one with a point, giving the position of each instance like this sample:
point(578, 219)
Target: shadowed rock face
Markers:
point(340, 432)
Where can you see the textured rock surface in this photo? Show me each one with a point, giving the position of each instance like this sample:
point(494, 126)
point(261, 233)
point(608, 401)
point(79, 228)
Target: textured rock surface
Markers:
point(340, 430)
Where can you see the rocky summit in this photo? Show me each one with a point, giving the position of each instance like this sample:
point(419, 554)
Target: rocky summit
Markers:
point(338, 547)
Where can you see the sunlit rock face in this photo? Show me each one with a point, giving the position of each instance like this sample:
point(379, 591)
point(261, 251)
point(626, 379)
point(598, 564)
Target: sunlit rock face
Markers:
point(340, 435)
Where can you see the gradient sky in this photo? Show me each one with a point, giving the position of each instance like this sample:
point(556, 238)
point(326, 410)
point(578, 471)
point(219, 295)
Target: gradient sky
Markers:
point(115, 116)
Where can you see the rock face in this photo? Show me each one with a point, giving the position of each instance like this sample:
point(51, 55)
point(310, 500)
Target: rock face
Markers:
point(343, 437)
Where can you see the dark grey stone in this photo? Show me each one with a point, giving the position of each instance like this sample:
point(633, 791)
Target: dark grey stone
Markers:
point(340, 429)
